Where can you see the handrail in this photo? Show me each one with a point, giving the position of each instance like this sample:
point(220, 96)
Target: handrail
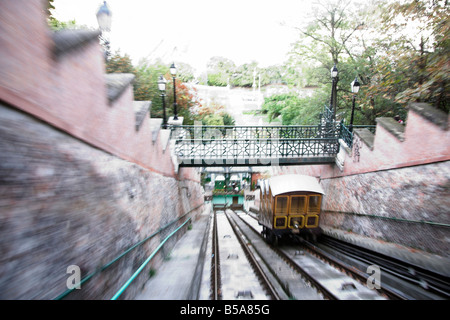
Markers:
point(104, 267)
point(346, 135)
point(136, 273)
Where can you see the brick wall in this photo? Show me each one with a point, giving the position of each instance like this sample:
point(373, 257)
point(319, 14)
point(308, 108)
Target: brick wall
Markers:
point(64, 202)
point(68, 90)
point(78, 183)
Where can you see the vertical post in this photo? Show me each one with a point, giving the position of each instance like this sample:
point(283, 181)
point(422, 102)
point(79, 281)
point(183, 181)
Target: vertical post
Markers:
point(162, 88)
point(175, 113)
point(163, 96)
point(355, 88)
point(173, 72)
point(353, 112)
point(333, 99)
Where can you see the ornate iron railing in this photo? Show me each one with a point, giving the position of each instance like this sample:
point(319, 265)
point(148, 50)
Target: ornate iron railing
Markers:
point(257, 145)
point(346, 134)
point(200, 145)
point(253, 132)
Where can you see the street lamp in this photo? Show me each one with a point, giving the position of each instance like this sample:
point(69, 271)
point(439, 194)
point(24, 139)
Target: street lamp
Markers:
point(104, 18)
point(162, 88)
point(173, 72)
point(333, 99)
point(355, 88)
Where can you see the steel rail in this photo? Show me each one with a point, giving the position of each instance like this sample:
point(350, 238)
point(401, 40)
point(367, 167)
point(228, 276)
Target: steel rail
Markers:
point(392, 293)
point(387, 290)
point(431, 281)
point(215, 273)
point(327, 294)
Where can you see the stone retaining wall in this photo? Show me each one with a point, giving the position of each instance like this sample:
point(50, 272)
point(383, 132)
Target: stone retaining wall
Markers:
point(66, 203)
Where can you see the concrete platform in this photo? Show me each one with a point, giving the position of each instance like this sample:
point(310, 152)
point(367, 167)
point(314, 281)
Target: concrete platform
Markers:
point(178, 278)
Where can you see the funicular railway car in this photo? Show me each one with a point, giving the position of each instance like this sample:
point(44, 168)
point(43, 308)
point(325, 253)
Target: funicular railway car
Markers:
point(290, 205)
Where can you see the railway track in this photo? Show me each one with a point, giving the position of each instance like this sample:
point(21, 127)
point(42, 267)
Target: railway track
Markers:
point(244, 266)
point(331, 282)
point(235, 272)
point(400, 280)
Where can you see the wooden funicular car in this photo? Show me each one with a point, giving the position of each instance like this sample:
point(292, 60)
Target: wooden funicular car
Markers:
point(290, 205)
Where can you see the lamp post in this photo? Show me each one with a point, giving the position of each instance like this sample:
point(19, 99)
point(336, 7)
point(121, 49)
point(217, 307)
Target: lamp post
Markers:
point(333, 99)
point(173, 72)
point(355, 88)
point(162, 88)
point(104, 18)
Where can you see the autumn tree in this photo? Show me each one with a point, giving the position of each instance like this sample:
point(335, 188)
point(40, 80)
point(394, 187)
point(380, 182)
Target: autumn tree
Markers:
point(414, 63)
point(145, 85)
point(327, 38)
point(119, 63)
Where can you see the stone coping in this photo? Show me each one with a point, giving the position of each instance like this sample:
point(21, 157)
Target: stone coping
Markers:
point(116, 84)
point(69, 39)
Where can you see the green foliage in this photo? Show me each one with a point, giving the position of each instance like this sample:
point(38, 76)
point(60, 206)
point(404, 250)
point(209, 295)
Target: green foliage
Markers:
point(120, 64)
point(223, 72)
point(217, 79)
point(415, 66)
point(374, 42)
point(228, 120)
point(220, 70)
point(57, 25)
point(295, 110)
point(212, 120)
point(214, 114)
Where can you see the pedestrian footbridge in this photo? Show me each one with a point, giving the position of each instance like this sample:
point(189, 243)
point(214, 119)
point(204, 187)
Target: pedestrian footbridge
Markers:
point(203, 146)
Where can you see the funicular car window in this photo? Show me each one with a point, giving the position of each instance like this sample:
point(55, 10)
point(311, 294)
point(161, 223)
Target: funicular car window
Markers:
point(298, 204)
point(314, 204)
point(281, 205)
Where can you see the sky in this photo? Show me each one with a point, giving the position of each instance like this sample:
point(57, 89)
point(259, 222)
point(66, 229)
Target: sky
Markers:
point(196, 30)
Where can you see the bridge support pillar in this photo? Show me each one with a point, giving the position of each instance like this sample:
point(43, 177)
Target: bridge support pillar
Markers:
point(340, 157)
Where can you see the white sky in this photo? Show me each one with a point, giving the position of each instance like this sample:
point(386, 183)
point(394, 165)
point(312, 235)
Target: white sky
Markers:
point(241, 30)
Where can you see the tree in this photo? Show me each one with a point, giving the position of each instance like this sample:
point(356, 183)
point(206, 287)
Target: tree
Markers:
point(54, 23)
point(220, 70)
point(293, 109)
point(145, 86)
point(185, 72)
point(214, 114)
point(415, 64)
point(119, 63)
point(327, 39)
